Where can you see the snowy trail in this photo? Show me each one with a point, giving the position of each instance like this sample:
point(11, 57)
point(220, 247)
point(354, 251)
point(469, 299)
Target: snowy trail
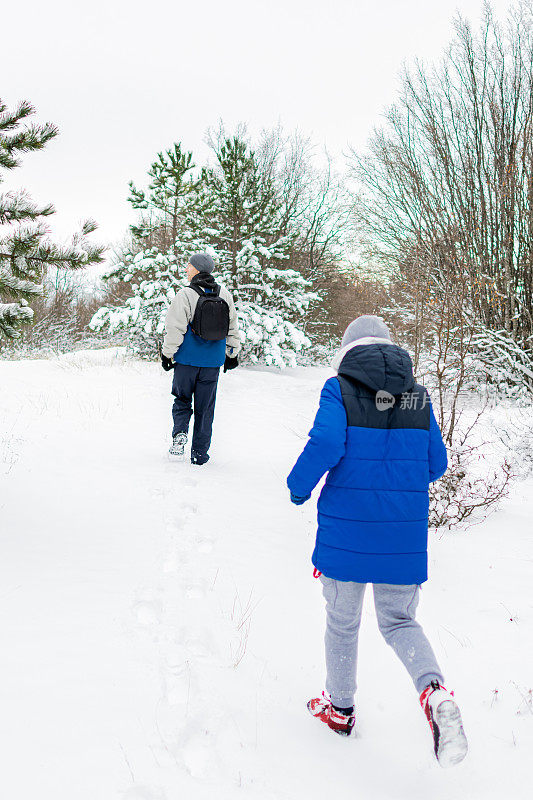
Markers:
point(161, 629)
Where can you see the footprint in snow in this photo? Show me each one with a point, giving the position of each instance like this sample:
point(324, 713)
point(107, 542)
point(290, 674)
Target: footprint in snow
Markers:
point(159, 493)
point(176, 523)
point(197, 643)
point(179, 686)
point(176, 662)
point(143, 793)
point(195, 591)
point(199, 648)
point(172, 564)
point(176, 696)
point(147, 613)
point(205, 545)
point(196, 754)
point(189, 508)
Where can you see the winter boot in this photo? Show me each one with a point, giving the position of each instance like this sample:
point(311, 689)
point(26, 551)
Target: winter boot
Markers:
point(446, 725)
point(199, 458)
point(322, 709)
point(177, 447)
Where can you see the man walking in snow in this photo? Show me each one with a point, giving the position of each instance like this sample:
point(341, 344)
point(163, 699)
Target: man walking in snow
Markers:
point(376, 436)
point(201, 335)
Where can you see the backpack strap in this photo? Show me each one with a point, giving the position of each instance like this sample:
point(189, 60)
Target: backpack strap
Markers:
point(202, 292)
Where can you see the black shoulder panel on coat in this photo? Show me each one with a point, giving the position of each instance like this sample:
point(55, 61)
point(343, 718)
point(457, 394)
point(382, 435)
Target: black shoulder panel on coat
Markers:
point(363, 409)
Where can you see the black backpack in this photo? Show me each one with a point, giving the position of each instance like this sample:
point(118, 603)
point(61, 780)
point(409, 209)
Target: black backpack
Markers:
point(211, 316)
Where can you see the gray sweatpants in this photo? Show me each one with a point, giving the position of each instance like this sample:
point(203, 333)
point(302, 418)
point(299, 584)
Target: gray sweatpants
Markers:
point(395, 609)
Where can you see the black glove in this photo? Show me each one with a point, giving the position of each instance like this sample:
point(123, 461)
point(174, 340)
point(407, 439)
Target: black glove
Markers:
point(298, 500)
point(230, 363)
point(167, 363)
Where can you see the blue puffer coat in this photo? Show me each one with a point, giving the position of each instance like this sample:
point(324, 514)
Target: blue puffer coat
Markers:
point(373, 509)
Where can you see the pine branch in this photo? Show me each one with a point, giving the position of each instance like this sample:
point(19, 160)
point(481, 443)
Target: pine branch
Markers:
point(16, 289)
point(71, 256)
point(18, 246)
point(18, 208)
point(137, 197)
point(9, 120)
point(12, 315)
point(88, 226)
point(33, 138)
point(30, 138)
point(30, 245)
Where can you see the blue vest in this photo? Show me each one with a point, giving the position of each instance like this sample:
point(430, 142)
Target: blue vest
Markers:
point(373, 508)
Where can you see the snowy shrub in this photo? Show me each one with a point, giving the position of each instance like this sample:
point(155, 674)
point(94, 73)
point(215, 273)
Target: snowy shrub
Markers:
point(467, 490)
point(269, 300)
point(500, 362)
point(142, 316)
point(60, 318)
point(515, 433)
point(491, 370)
point(479, 473)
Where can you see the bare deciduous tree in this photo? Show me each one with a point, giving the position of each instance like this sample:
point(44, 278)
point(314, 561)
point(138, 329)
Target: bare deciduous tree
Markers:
point(448, 181)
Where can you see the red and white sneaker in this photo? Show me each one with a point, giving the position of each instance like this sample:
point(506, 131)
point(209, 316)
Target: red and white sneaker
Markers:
point(446, 725)
point(321, 708)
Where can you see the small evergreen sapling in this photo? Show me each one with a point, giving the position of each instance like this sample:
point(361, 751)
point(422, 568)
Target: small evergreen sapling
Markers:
point(166, 232)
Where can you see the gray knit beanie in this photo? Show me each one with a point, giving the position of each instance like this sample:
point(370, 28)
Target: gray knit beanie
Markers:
point(202, 262)
point(364, 326)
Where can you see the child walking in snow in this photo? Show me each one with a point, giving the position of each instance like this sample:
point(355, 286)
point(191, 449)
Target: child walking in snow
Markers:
point(376, 436)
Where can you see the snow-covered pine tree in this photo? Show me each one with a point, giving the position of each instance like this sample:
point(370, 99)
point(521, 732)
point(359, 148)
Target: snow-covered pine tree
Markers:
point(26, 251)
point(244, 221)
point(167, 231)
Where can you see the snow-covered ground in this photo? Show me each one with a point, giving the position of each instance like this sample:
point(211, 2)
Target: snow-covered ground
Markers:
point(161, 629)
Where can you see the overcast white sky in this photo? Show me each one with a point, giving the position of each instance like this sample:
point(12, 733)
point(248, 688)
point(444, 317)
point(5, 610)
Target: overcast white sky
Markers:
point(124, 79)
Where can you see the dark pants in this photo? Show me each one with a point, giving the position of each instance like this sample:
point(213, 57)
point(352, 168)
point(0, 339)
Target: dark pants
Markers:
point(199, 383)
